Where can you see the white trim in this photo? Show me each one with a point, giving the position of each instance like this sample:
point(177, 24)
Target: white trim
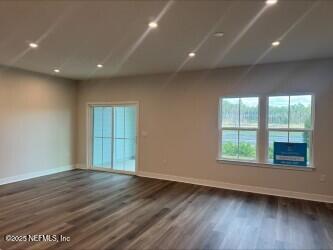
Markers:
point(238, 187)
point(31, 175)
point(239, 128)
point(115, 103)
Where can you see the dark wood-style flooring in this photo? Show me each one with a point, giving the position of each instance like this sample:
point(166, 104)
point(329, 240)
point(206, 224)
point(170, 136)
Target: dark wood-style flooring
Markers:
point(100, 210)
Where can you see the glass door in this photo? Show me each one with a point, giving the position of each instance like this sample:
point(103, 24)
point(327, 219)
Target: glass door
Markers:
point(114, 137)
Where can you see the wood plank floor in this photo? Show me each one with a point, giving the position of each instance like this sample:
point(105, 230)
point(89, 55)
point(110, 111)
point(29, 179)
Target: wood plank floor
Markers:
point(100, 210)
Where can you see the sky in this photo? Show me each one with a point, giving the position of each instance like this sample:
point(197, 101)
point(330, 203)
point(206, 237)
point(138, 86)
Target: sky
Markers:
point(283, 101)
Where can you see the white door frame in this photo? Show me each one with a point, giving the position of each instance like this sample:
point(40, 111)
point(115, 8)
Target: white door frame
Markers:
point(89, 135)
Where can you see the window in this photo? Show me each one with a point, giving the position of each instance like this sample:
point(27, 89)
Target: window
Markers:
point(290, 120)
point(114, 137)
point(239, 125)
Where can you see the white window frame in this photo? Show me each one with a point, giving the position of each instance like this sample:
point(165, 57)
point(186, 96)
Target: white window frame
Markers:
point(262, 145)
point(290, 130)
point(238, 129)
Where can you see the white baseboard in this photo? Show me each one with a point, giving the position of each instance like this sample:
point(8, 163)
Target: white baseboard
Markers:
point(238, 187)
point(31, 175)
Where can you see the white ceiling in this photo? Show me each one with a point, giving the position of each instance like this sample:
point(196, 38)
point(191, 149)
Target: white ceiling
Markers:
point(77, 35)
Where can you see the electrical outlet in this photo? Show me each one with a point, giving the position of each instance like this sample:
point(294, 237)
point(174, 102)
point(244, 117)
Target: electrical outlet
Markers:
point(322, 177)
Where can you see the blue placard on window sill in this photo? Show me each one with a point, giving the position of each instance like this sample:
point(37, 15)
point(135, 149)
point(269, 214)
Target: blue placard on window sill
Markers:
point(288, 153)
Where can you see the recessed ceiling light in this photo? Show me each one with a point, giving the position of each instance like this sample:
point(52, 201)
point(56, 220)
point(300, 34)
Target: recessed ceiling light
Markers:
point(99, 65)
point(275, 44)
point(271, 2)
point(218, 34)
point(33, 45)
point(153, 25)
point(192, 54)
point(56, 70)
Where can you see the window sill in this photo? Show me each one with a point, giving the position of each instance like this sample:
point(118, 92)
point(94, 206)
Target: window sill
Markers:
point(264, 165)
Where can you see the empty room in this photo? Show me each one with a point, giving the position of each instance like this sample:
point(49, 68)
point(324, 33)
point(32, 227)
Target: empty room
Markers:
point(166, 124)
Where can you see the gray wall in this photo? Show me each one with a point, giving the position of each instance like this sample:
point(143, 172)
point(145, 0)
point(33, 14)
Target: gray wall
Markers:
point(179, 115)
point(38, 119)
